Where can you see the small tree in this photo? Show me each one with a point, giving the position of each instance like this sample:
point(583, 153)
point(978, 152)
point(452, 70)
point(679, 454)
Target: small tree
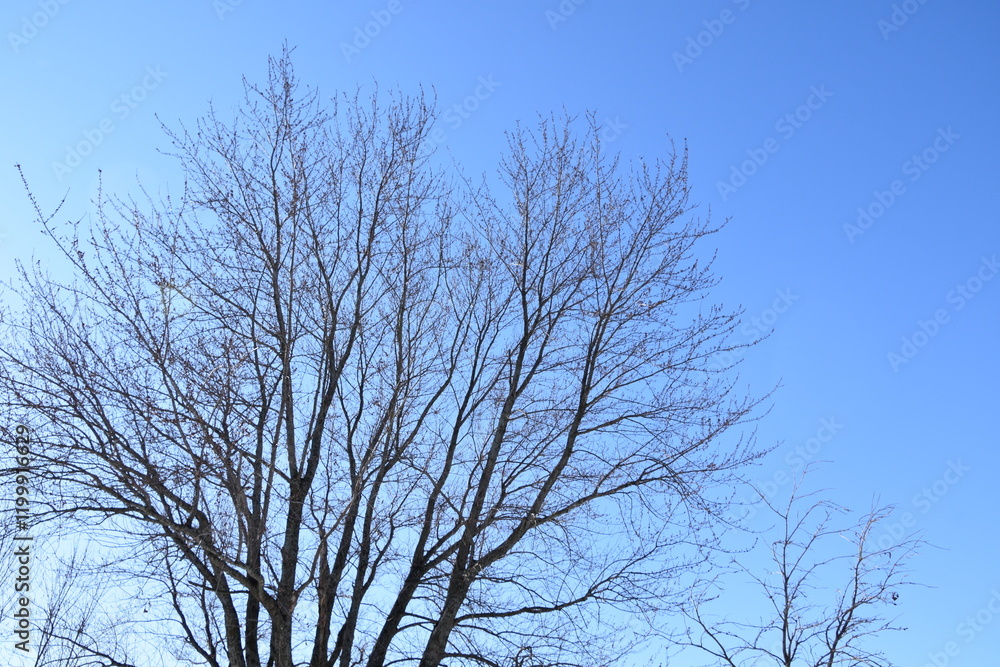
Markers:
point(331, 410)
point(809, 622)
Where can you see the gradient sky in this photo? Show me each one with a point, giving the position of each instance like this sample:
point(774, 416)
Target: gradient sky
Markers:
point(852, 145)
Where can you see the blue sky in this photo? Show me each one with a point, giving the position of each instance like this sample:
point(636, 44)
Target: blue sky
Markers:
point(852, 145)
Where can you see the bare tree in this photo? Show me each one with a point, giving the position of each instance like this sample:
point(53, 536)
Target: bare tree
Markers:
point(808, 622)
point(334, 409)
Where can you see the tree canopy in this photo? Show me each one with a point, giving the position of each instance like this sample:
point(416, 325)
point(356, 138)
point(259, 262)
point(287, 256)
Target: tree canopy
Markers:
point(335, 404)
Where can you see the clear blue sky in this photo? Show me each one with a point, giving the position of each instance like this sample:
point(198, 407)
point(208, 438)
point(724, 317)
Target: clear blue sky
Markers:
point(796, 115)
